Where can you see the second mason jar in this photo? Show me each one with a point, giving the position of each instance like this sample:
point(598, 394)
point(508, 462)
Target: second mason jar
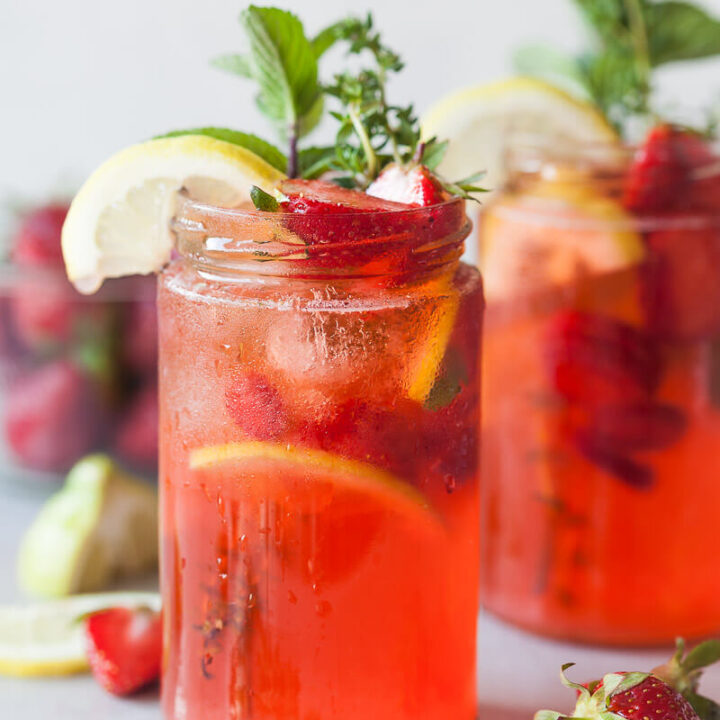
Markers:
point(601, 403)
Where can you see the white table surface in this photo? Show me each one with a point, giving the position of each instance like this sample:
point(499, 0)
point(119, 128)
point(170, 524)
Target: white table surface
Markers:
point(517, 672)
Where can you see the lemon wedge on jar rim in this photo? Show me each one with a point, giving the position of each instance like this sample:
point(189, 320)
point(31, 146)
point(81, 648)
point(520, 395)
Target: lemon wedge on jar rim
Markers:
point(482, 121)
point(118, 223)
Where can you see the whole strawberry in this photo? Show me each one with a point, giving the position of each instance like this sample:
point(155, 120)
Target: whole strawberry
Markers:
point(626, 696)
point(124, 648)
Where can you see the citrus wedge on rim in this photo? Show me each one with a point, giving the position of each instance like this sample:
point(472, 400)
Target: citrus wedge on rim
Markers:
point(272, 464)
point(118, 223)
point(48, 639)
point(480, 123)
point(553, 233)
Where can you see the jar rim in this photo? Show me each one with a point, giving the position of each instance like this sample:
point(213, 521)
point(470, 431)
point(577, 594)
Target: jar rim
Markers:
point(242, 239)
point(527, 150)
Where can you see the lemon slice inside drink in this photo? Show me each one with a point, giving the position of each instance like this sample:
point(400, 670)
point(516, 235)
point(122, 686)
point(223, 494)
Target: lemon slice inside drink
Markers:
point(48, 638)
point(552, 234)
point(118, 223)
point(273, 466)
point(481, 122)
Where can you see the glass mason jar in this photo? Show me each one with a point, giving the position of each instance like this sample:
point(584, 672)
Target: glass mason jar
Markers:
point(602, 406)
point(319, 502)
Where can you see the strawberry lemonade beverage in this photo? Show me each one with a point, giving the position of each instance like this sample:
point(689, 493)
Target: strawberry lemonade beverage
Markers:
point(319, 408)
point(319, 394)
point(602, 391)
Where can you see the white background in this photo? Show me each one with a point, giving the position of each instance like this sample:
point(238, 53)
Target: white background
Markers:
point(80, 79)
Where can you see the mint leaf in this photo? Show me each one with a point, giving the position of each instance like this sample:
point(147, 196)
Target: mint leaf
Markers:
point(326, 38)
point(453, 375)
point(553, 66)
point(233, 63)
point(680, 31)
point(262, 200)
point(269, 153)
point(314, 161)
point(283, 63)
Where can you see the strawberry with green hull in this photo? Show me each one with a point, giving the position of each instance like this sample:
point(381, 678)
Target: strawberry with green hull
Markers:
point(669, 692)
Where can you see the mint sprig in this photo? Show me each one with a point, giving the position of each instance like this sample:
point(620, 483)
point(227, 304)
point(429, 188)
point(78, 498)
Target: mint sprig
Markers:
point(631, 39)
point(283, 63)
point(372, 132)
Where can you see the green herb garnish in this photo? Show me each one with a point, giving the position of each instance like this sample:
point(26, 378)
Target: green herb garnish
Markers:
point(631, 39)
point(372, 132)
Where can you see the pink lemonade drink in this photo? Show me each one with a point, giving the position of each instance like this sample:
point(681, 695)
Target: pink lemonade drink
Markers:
point(319, 410)
point(602, 411)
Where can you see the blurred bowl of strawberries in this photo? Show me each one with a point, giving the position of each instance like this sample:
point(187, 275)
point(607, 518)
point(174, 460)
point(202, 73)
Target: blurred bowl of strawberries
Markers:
point(77, 374)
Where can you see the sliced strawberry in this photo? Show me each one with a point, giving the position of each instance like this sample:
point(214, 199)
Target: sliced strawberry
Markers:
point(680, 283)
point(663, 174)
point(362, 430)
point(415, 185)
point(124, 648)
point(599, 360)
point(255, 406)
point(634, 427)
point(351, 230)
point(310, 197)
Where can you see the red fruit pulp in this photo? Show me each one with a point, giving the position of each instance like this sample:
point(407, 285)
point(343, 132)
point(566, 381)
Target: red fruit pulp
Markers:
point(596, 359)
point(680, 282)
point(661, 176)
point(633, 427)
point(255, 406)
point(415, 186)
point(124, 648)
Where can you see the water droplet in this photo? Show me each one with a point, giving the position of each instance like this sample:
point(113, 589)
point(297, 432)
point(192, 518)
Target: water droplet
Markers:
point(323, 608)
point(292, 597)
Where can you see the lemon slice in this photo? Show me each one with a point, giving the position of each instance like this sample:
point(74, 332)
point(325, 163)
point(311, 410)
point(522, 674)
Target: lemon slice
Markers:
point(425, 371)
point(480, 122)
point(551, 235)
point(273, 465)
point(47, 639)
point(101, 525)
point(118, 223)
